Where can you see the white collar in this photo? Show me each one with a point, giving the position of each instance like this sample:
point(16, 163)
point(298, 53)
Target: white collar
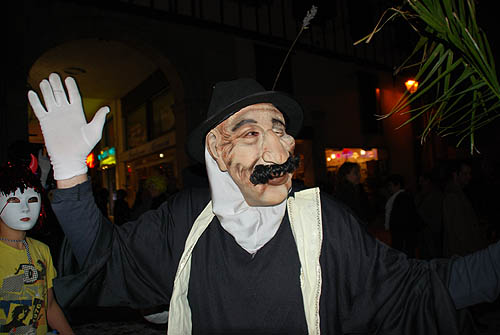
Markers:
point(251, 227)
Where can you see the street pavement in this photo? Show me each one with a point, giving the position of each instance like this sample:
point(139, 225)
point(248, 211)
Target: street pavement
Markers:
point(112, 321)
point(120, 328)
point(117, 321)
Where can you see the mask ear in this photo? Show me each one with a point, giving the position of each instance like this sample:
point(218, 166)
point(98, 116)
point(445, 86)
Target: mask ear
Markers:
point(212, 141)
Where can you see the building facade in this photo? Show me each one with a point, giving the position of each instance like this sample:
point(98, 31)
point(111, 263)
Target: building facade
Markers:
point(155, 62)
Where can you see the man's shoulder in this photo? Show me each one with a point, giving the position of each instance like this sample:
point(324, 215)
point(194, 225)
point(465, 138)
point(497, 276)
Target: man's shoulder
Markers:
point(193, 194)
point(334, 204)
point(340, 222)
point(451, 197)
point(192, 199)
point(329, 204)
point(404, 196)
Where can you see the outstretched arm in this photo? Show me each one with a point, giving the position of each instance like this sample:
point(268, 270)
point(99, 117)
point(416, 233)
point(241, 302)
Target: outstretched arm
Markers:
point(475, 278)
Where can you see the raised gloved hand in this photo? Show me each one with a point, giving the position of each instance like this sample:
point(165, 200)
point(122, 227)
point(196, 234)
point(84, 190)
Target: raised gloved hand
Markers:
point(68, 136)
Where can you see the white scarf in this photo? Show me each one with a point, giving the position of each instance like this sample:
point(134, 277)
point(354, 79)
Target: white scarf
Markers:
point(251, 227)
point(388, 208)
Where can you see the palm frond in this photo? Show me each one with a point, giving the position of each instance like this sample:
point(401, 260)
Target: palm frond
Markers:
point(454, 60)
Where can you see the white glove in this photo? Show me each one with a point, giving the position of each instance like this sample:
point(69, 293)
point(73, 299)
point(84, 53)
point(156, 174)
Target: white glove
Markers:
point(68, 136)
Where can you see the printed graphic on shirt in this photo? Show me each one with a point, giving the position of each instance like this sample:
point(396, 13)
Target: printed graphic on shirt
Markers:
point(23, 292)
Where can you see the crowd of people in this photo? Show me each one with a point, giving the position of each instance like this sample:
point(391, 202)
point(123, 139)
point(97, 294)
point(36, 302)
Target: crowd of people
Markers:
point(443, 215)
point(449, 213)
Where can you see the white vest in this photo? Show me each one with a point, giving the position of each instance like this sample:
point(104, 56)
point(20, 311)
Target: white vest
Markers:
point(304, 213)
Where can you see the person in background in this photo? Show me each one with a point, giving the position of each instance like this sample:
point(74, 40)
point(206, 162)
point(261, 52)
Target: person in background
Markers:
point(429, 204)
point(121, 209)
point(401, 217)
point(485, 197)
point(102, 200)
point(461, 232)
point(160, 187)
point(26, 270)
point(350, 191)
point(152, 192)
point(157, 187)
point(142, 201)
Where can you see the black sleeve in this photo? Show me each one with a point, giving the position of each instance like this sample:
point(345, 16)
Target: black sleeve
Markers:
point(475, 278)
point(378, 288)
point(131, 265)
point(79, 216)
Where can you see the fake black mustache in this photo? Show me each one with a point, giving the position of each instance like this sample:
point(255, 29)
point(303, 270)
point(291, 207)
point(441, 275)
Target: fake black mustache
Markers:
point(263, 173)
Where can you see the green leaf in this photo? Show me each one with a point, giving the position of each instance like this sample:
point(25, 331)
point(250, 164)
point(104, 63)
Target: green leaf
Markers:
point(455, 63)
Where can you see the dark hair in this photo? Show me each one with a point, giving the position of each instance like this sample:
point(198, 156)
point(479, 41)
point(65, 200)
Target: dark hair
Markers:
point(344, 170)
point(14, 176)
point(121, 194)
point(431, 176)
point(396, 179)
point(19, 176)
point(454, 167)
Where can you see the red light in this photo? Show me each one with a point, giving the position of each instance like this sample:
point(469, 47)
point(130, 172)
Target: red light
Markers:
point(90, 160)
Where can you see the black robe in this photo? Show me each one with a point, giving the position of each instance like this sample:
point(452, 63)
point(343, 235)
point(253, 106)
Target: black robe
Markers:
point(367, 287)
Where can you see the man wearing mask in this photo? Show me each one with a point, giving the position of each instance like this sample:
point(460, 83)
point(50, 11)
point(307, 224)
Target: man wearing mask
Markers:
point(250, 254)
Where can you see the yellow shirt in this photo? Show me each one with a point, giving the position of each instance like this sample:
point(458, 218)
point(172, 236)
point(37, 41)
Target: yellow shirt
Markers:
point(23, 288)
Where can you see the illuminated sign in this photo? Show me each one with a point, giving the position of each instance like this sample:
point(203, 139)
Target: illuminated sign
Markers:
point(357, 155)
point(107, 157)
point(90, 161)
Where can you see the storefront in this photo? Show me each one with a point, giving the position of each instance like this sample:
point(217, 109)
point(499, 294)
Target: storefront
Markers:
point(149, 143)
point(154, 158)
point(367, 159)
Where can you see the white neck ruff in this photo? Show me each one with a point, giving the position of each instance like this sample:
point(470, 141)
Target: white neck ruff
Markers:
point(251, 227)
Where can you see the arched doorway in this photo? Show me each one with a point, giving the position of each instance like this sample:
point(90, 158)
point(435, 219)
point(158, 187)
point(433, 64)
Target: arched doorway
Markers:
point(140, 137)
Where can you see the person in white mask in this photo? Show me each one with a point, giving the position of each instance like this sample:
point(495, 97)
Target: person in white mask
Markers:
point(27, 299)
point(251, 254)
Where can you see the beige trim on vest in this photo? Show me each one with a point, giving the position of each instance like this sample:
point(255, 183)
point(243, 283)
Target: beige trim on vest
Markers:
point(179, 317)
point(304, 212)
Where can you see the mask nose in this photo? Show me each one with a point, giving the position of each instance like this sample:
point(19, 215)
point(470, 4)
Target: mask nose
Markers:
point(273, 150)
point(24, 206)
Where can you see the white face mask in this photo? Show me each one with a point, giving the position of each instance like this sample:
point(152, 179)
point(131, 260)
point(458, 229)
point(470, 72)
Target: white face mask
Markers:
point(19, 210)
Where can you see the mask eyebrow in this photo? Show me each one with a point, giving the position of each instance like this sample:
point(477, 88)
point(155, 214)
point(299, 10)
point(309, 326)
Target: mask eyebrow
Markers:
point(242, 123)
point(278, 122)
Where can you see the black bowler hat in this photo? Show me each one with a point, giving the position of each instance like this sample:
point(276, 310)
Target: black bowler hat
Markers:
point(229, 97)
